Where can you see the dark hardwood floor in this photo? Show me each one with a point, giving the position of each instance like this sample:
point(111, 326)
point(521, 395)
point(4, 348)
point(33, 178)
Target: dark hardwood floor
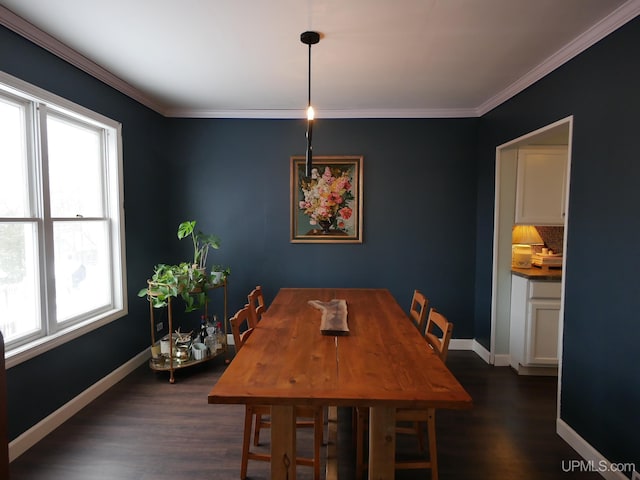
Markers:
point(146, 429)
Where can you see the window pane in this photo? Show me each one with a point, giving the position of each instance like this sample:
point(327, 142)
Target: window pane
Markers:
point(19, 289)
point(61, 241)
point(82, 265)
point(13, 164)
point(75, 169)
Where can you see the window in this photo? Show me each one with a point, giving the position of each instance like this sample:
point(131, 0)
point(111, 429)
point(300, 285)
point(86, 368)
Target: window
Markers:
point(61, 220)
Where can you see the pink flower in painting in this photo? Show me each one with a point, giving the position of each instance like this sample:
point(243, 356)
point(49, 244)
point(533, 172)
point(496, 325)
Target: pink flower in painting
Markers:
point(345, 213)
point(336, 198)
point(323, 213)
point(344, 183)
point(327, 196)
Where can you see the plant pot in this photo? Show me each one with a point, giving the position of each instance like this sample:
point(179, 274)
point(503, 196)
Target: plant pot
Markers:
point(199, 351)
point(217, 277)
point(165, 346)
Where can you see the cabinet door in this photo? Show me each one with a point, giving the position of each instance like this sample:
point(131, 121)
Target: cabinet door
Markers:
point(541, 181)
point(518, 321)
point(542, 332)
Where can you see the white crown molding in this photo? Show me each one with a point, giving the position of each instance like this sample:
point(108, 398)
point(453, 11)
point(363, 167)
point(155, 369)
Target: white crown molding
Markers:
point(623, 14)
point(46, 41)
point(619, 17)
point(325, 114)
point(221, 113)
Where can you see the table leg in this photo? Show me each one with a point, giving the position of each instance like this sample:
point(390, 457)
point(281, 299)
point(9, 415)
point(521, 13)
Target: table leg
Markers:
point(382, 443)
point(331, 472)
point(283, 442)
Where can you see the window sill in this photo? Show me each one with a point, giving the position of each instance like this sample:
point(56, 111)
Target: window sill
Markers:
point(31, 350)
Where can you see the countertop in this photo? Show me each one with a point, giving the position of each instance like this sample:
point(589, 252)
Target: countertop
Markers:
point(544, 274)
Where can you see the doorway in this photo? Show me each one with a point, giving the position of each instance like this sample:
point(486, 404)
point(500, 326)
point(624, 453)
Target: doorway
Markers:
point(558, 133)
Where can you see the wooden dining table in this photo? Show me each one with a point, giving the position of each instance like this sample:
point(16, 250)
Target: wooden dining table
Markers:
point(382, 363)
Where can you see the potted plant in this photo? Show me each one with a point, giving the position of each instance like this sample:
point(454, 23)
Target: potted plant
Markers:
point(219, 274)
point(201, 242)
point(176, 281)
point(187, 280)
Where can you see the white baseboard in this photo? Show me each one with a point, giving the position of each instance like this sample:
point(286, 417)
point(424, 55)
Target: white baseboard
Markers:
point(47, 425)
point(538, 371)
point(461, 344)
point(593, 460)
point(502, 360)
point(482, 352)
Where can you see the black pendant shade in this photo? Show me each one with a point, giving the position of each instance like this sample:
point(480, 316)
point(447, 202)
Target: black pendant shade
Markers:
point(309, 38)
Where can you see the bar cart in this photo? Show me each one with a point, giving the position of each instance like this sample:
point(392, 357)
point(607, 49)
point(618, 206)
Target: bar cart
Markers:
point(169, 361)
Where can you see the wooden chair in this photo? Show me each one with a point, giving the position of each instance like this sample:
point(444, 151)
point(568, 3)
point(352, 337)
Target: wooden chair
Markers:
point(438, 333)
point(256, 305)
point(418, 310)
point(240, 327)
point(239, 321)
point(417, 315)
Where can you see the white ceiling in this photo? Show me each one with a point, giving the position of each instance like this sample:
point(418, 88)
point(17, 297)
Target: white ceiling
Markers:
point(377, 58)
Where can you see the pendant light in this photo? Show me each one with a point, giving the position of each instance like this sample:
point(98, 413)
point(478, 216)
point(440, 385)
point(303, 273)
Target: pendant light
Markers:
point(309, 38)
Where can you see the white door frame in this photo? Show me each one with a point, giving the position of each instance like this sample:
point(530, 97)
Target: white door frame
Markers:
point(504, 215)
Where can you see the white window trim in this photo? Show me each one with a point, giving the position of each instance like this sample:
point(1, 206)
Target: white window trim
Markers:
point(22, 353)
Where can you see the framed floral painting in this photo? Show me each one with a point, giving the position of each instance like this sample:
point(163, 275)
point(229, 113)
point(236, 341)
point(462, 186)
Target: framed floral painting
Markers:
point(327, 206)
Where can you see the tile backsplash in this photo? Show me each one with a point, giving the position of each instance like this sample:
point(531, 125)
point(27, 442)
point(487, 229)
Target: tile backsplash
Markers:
point(553, 238)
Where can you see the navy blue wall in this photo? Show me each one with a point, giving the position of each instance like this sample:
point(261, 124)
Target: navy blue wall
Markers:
point(600, 380)
point(419, 205)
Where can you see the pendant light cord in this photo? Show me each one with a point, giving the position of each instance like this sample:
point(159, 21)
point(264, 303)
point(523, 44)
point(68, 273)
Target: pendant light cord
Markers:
point(309, 83)
point(309, 38)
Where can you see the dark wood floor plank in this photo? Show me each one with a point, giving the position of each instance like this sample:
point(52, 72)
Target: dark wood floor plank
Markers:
point(147, 429)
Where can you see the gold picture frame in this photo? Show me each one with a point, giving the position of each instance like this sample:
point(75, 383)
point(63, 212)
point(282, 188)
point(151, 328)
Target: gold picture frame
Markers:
point(327, 207)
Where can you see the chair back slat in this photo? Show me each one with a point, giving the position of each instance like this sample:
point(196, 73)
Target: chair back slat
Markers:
point(240, 327)
point(256, 305)
point(438, 333)
point(418, 310)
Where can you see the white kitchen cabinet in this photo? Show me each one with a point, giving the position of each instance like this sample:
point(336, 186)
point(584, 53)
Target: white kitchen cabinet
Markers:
point(535, 321)
point(541, 185)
